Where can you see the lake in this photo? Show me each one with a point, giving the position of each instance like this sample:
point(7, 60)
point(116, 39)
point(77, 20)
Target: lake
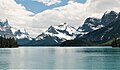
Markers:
point(83, 58)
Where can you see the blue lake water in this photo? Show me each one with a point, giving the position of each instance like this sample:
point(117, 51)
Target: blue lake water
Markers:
point(84, 58)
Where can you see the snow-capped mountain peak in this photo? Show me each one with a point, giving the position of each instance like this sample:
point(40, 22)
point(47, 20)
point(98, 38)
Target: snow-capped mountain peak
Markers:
point(92, 23)
point(5, 28)
point(20, 34)
point(56, 34)
point(64, 28)
point(52, 29)
point(4, 23)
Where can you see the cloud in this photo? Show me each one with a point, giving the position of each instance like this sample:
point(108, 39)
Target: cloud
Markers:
point(73, 13)
point(49, 2)
point(16, 13)
point(70, 14)
point(101, 6)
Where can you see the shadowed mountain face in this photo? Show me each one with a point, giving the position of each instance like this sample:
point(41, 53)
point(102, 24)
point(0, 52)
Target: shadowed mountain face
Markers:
point(106, 33)
point(109, 17)
point(110, 30)
point(91, 24)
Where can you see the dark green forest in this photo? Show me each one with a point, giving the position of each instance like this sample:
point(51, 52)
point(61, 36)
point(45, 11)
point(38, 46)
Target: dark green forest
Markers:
point(8, 42)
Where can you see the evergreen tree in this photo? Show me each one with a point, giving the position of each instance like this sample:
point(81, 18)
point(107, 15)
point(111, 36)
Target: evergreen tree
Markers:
point(7, 42)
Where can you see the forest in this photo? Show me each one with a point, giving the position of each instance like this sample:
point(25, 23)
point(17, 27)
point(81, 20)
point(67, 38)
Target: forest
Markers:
point(8, 42)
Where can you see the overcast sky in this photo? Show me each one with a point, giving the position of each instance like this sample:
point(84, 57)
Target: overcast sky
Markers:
point(37, 15)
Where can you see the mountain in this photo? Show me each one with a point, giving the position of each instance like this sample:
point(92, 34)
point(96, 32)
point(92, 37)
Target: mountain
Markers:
point(106, 33)
point(22, 36)
point(108, 21)
point(93, 23)
point(8, 31)
point(94, 31)
point(90, 24)
point(55, 35)
point(7, 39)
point(109, 31)
point(109, 17)
point(5, 29)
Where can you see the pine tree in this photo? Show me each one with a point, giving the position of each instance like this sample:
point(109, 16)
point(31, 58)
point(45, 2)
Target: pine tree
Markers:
point(7, 42)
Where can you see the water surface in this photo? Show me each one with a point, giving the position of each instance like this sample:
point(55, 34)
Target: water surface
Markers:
point(85, 58)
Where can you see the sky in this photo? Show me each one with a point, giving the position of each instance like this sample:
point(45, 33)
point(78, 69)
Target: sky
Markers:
point(40, 5)
point(37, 15)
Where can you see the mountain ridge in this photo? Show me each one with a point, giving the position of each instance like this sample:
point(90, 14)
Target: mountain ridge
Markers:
point(94, 31)
point(102, 35)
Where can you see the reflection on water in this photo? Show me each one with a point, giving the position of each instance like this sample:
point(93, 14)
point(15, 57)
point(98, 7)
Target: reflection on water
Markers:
point(60, 58)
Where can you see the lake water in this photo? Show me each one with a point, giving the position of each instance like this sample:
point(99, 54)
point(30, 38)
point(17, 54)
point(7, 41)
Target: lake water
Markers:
point(84, 58)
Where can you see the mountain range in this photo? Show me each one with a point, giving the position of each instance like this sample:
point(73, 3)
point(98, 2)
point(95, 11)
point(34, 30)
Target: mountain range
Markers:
point(94, 31)
point(55, 35)
point(110, 29)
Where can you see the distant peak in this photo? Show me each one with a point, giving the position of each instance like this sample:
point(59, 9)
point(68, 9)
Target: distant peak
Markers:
point(4, 20)
point(19, 32)
point(63, 24)
point(4, 23)
point(92, 18)
point(111, 12)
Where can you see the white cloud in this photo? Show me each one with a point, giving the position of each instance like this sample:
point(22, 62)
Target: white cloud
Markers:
point(70, 14)
point(15, 13)
point(74, 13)
point(100, 6)
point(71, 1)
point(49, 2)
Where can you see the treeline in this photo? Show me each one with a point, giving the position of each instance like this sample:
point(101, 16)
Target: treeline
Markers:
point(8, 42)
point(116, 42)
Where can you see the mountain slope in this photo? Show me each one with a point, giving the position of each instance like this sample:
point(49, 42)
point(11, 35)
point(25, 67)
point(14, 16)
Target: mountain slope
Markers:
point(109, 17)
point(55, 35)
point(22, 36)
point(90, 24)
point(5, 29)
point(106, 33)
point(111, 22)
